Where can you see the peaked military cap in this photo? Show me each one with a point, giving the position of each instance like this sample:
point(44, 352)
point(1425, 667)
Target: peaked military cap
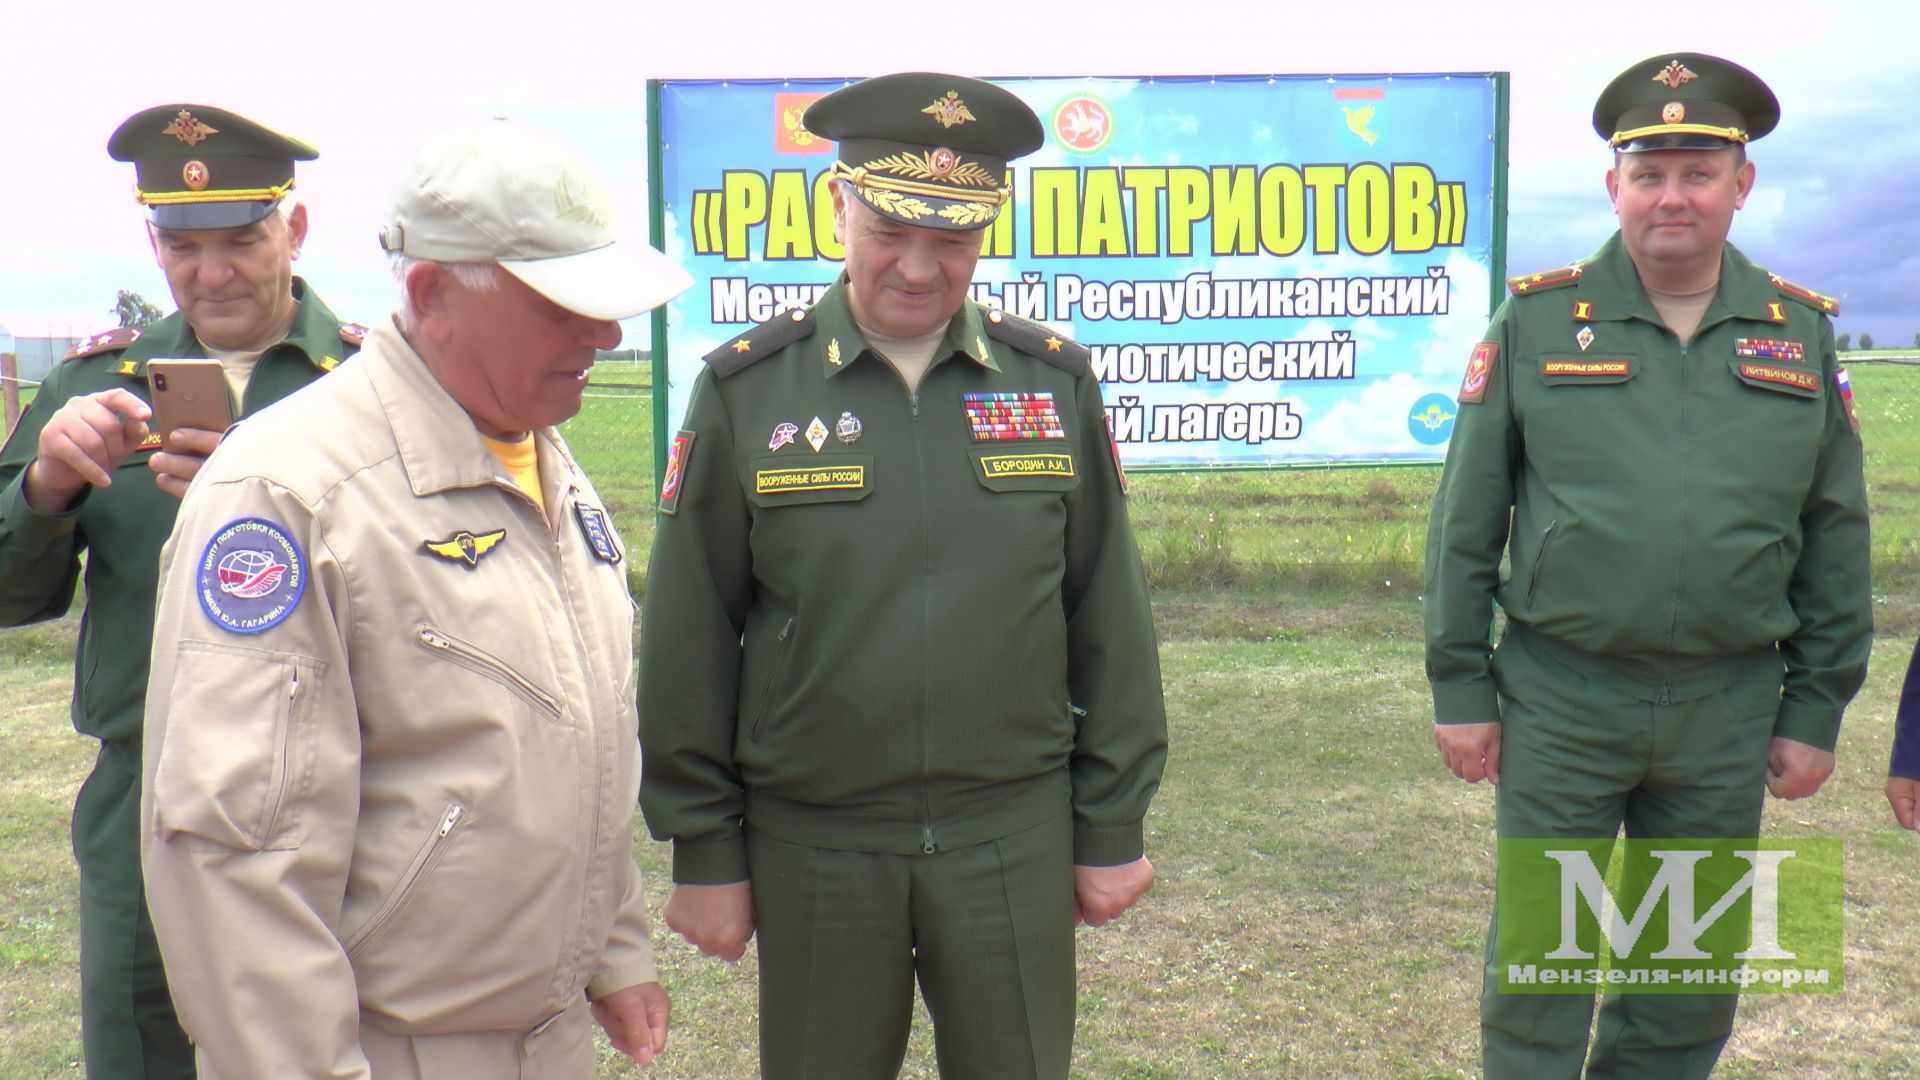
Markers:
point(927, 149)
point(1684, 101)
point(198, 167)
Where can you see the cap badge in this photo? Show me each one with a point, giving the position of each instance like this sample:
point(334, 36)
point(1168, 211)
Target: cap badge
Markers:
point(950, 111)
point(941, 161)
point(194, 174)
point(849, 428)
point(1675, 75)
point(941, 164)
point(817, 434)
point(783, 433)
point(1674, 112)
point(583, 201)
point(188, 130)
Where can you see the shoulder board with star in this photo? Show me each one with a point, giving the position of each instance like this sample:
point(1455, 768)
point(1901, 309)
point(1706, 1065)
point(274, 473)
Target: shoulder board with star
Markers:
point(1036, 340)
point(113, 339)
point(1817, 301)
point(352, 333)
point(1544, 280)
point(760, 342)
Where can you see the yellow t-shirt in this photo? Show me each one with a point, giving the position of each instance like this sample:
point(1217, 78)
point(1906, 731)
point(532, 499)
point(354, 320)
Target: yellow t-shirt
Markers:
point(522, 464)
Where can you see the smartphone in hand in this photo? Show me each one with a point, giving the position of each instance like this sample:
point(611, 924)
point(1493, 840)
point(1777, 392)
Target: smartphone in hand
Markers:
point(189, 394)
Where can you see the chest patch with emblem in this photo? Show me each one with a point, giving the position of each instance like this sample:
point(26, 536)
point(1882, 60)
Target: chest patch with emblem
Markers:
point(1766, 349)
point(996, 417)
point(593, 525)
point(464, 547)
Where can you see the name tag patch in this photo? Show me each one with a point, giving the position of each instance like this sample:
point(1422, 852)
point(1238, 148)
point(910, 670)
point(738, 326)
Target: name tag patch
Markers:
point(998, 465)
point(827, 478)
point(1768, 349)
point(995, 417)
point(1800, 380)
point(1592, 369)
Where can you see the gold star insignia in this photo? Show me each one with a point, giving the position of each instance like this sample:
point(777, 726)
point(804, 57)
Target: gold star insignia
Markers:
point(188, 130)
point(742, 346)
point(1053, 344)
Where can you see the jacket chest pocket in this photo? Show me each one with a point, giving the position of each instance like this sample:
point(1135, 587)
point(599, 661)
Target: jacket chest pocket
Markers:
point(482, 662)
point(1043, 467)
point(798, 480)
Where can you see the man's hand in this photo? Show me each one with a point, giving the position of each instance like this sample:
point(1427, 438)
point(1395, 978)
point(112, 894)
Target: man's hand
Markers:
point(187, 449)
point(1102, 894)
point(1472, 751)
point(1904, 796)
point(635, 1020)
point(82, 444)
point(1796, 770)
point(716, 919)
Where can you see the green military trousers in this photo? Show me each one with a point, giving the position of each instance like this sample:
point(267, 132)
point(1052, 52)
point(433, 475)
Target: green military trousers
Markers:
point(128, 1027)
point(1582, 753)
point(986, 929)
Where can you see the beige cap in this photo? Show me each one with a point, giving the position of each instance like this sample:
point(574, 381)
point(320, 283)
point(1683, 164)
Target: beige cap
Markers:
point(505, 192)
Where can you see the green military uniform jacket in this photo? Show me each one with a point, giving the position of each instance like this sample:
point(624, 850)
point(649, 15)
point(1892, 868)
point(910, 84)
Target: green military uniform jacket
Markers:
point(901, 639)
point(1672, 504)
point(123, 526)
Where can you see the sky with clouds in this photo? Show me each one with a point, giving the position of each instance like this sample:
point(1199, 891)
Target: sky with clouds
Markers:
point(1835, 208)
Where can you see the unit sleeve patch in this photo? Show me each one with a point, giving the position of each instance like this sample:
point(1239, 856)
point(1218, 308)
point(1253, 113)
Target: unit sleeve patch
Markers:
point(251, 576)
point(1473, 386)
point(674, 480)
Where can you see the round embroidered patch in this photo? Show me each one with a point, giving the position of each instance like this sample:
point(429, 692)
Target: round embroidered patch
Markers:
point(251, 575)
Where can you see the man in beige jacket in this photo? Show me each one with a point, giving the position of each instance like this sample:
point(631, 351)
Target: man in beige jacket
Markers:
point(391, 760)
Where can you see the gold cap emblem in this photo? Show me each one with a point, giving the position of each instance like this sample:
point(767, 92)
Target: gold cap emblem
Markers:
point(194, 175)
point(188, 130)
point(1675, 75)
point(1674, 112)
point(950, 111)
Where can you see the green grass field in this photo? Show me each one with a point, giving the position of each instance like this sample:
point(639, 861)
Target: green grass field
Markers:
point(1323, 882)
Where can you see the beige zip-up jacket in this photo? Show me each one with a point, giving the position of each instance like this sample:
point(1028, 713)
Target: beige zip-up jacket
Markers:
point(391, 762)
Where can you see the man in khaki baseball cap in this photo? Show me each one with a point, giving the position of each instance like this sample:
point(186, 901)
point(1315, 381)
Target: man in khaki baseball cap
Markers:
point(392, 759)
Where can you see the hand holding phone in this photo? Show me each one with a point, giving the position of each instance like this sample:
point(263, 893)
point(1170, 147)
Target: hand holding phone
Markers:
point(192, 407)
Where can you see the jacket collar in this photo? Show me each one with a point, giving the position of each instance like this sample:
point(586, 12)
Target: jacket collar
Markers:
point(438, 445)
point(314, 336)
point(1610, 287)
point(838, 340)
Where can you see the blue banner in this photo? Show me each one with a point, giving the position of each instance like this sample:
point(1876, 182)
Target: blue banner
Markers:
point(1269, 270)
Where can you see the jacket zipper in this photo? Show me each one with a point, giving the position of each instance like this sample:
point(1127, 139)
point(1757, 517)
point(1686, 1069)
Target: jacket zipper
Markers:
point(773, 676)
point(422, 863)
point(477, 659)
point(1679, 547)
point(271, 824)
point(927, 843)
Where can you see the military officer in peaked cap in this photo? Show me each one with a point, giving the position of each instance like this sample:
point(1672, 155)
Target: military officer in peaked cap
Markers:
point(83, 472)
point(900, 700)
point(1662, 440)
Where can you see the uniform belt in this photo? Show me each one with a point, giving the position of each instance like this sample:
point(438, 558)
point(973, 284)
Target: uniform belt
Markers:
point(1663, 682)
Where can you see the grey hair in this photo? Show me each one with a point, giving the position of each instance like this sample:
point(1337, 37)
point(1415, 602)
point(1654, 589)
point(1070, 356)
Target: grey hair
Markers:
point(477, 277)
